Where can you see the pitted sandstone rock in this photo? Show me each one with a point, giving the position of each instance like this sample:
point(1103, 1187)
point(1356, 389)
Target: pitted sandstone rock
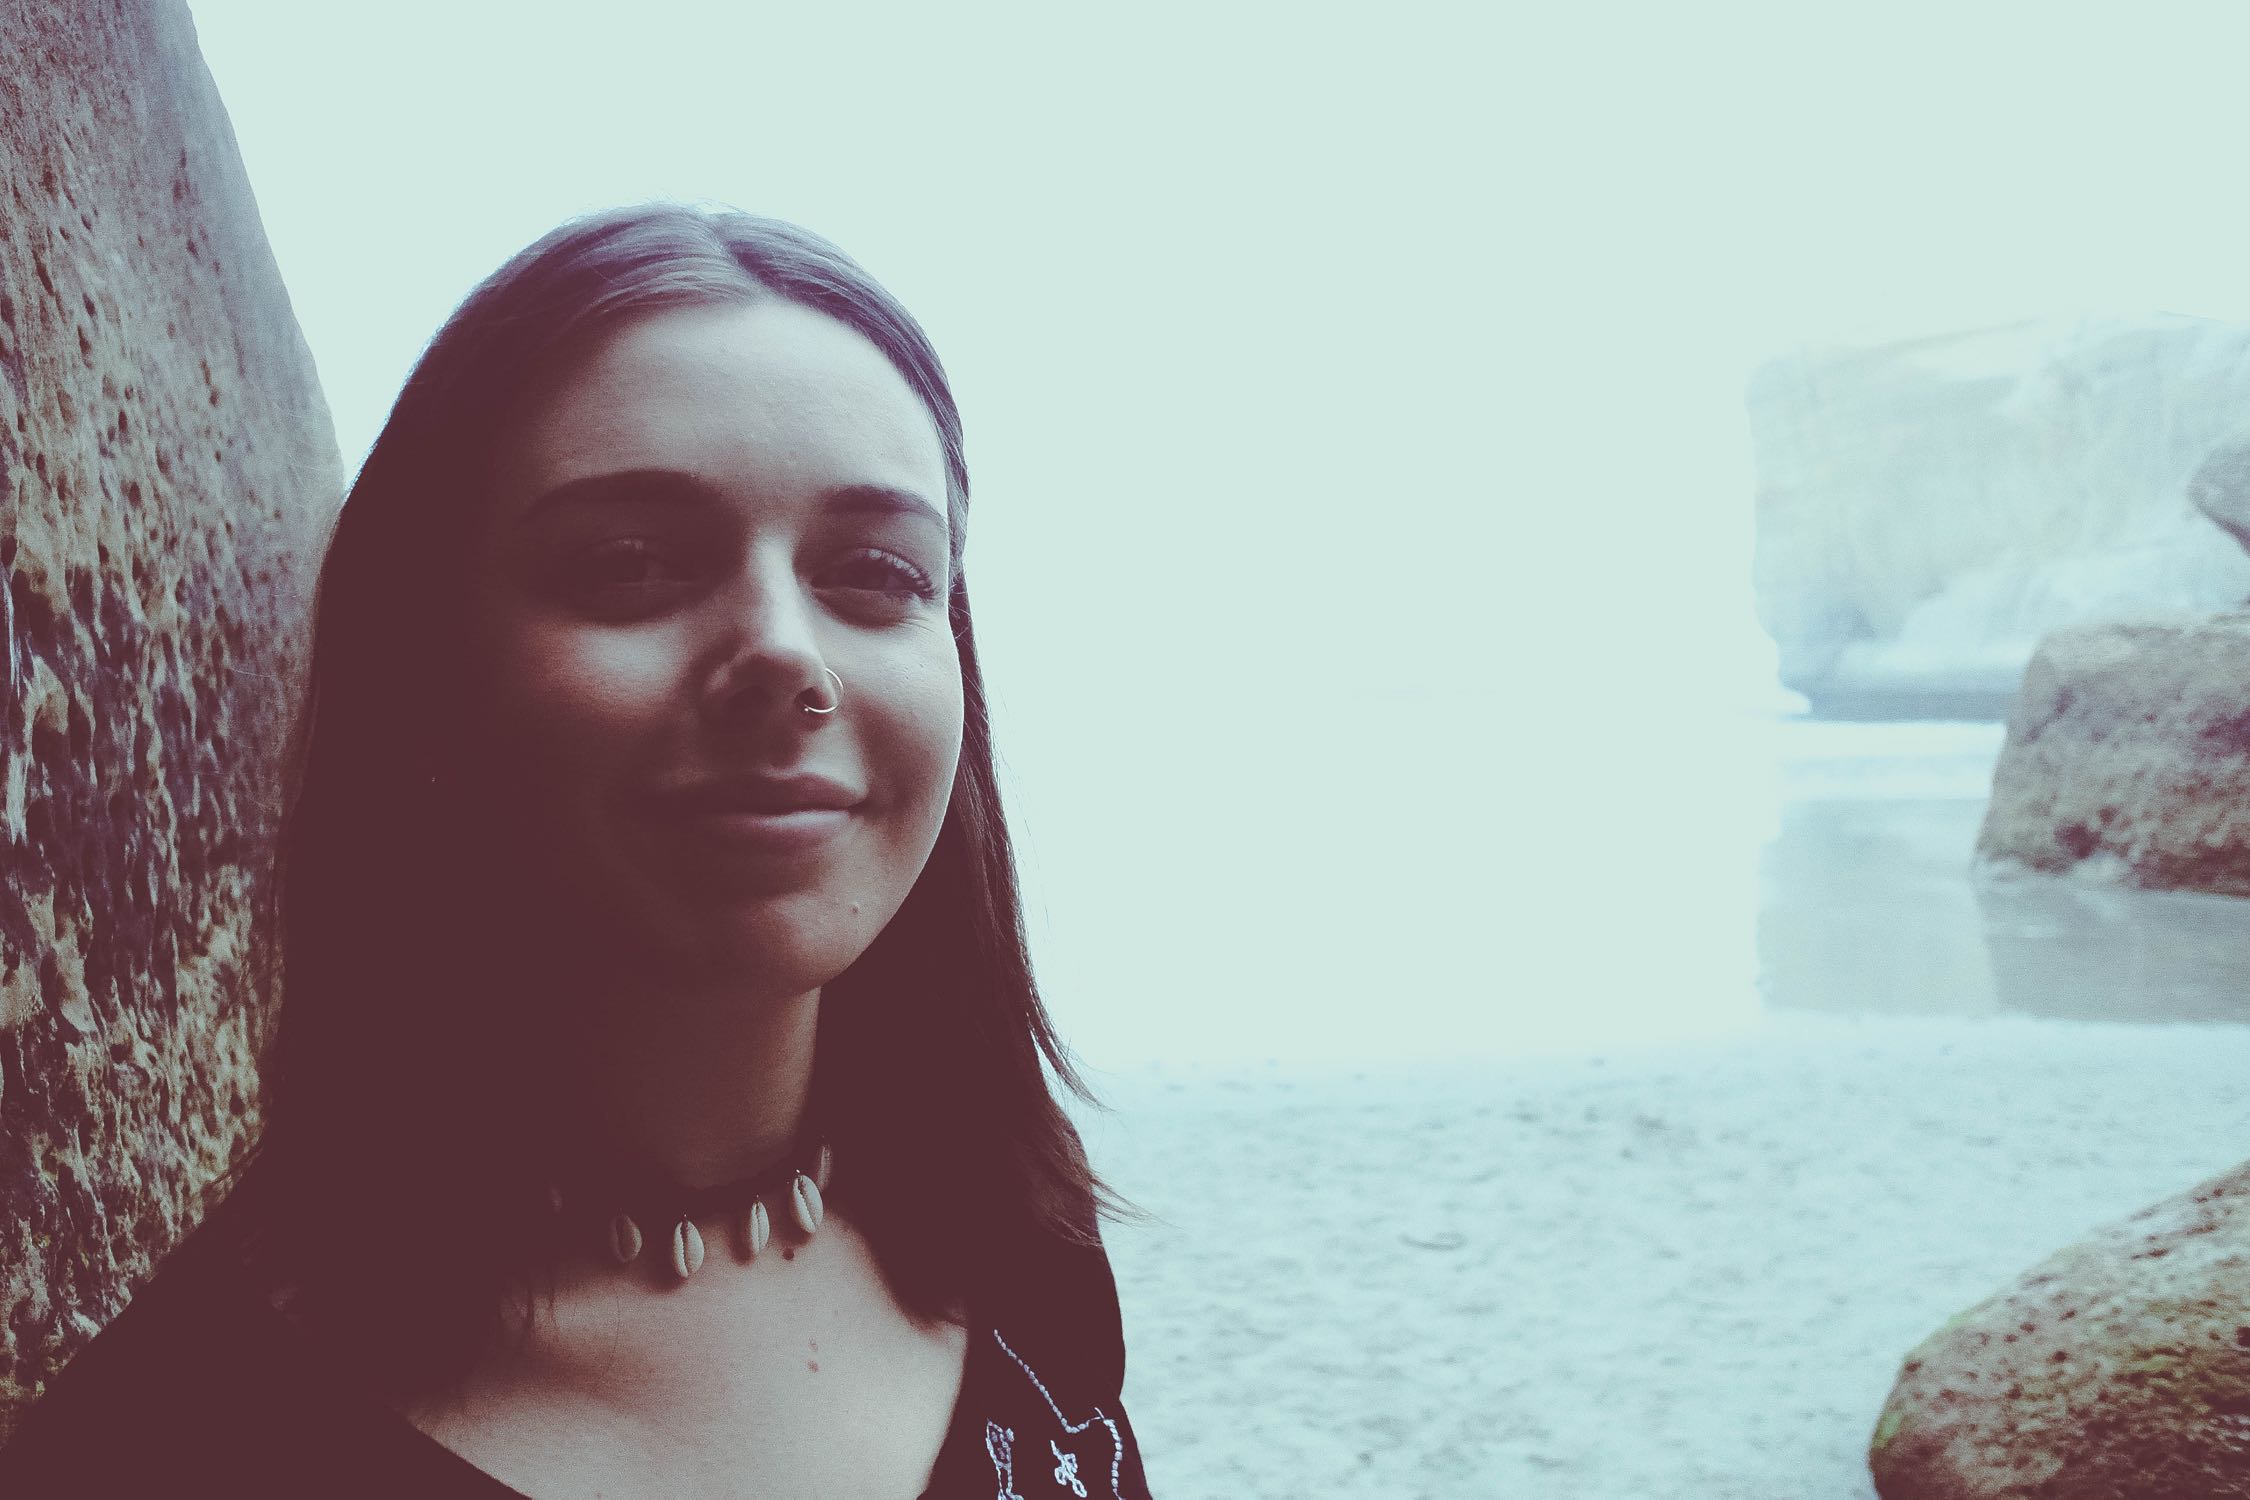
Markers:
point(170, 467)
point(2118, 1369)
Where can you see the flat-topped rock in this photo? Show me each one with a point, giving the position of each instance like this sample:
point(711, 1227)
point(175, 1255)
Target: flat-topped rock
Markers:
point(2128, 759)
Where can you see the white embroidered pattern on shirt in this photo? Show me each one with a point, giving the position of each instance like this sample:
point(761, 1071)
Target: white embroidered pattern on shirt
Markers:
point(1000, 1447)
point(1066, 1470)
point(1000, 1442)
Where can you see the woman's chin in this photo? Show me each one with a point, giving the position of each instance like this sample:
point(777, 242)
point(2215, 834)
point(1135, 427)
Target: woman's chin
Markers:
point(785, 946)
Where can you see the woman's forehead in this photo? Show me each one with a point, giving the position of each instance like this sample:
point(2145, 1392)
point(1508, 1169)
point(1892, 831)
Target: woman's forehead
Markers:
point(768, 397)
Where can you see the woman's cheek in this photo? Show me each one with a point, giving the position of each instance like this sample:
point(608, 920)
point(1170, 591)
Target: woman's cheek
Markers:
point(925, 739)
point(942, 716)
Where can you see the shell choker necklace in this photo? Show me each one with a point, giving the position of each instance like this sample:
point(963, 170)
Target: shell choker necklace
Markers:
point(619, 1205)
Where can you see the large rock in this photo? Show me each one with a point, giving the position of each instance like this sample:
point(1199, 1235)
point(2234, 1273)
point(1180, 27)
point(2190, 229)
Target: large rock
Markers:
point(2118, 1369)
point(2128, 759)
point(1928, 511)
point(170, 468)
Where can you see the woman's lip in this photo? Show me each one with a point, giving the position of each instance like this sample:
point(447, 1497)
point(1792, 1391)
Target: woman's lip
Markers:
point(761, 791)
point(788, 832)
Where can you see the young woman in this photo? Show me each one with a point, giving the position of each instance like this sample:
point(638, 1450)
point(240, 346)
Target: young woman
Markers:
point(660, 1099)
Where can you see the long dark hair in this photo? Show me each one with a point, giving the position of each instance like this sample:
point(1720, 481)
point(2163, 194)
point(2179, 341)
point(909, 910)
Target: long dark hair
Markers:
point(413, 1093)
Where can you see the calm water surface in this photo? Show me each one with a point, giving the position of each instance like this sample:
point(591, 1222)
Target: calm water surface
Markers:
point(1866, 904)
point(1407, 887)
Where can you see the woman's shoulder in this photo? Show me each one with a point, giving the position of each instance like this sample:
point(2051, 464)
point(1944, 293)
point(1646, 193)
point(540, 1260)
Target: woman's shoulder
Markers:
point(1062, 1296)
point(1046, 1371)
point(198, 1385)
point(186, 1357)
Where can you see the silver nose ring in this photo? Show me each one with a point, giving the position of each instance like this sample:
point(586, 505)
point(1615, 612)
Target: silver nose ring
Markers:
point(836, 699)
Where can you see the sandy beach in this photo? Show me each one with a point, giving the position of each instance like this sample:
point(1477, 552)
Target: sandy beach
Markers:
point(1642, 1186)
point(1678, 1272)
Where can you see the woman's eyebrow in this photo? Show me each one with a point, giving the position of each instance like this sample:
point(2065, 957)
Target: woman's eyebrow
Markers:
point(671, 485)
point(677, 486)
point(882, 499)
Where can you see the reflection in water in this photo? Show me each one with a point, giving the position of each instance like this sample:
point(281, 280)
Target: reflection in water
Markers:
point(2101, 953)
point(1867, 909)
point(1868, 906)
point(1424, 884)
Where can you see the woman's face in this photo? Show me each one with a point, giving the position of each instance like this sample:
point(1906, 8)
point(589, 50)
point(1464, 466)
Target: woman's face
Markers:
point(711, 512)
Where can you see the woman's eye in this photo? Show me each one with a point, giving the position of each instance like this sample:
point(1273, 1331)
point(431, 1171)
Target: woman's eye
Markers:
point(871, 570)
point(626, 566)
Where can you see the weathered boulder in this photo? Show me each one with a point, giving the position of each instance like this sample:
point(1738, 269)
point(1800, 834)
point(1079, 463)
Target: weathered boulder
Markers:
point(1927, 511)
point(2117, 1369)
point(2128, 758)
point(170, 468)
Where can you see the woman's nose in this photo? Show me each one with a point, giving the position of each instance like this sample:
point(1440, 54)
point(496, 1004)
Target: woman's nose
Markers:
point(767, 656)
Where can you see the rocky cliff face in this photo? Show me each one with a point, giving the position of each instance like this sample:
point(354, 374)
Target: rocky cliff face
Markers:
point(1927, 511)
point(170, 468)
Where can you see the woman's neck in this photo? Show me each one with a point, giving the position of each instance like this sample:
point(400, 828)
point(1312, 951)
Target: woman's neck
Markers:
point(699, 1088)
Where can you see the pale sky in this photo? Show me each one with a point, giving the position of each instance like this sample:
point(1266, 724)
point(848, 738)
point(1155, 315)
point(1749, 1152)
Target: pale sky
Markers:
point(1394, 301)
point(1346, 386)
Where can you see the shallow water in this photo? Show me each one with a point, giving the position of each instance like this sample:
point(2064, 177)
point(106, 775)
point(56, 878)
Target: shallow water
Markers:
point(1867, 906)
point(1619, 884)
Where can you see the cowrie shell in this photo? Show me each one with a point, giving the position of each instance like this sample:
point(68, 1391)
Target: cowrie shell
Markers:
point(687, 1248)
point(804, 1199)
point(624, 1238)
point(757, 1227)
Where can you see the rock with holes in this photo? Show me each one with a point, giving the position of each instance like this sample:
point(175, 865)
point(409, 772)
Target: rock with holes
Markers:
point(2128, 758)
point(170, 468)
point(2119, 1369)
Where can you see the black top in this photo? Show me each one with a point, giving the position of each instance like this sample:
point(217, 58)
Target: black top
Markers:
point(201, 1388)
